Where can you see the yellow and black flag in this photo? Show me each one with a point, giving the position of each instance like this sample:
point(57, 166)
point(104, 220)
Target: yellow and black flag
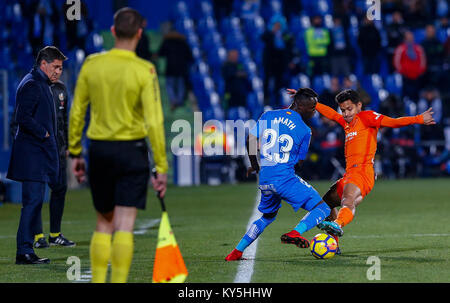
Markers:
point(169, 265)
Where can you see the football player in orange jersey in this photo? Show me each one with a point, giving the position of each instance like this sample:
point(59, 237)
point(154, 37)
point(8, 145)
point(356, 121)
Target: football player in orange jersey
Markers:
point(361, 128)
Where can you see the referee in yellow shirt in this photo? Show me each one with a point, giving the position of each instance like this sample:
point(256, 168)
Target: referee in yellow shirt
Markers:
point(123, 93)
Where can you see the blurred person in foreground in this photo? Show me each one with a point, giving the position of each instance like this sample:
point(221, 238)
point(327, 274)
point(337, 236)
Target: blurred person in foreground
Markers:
point(123, 93)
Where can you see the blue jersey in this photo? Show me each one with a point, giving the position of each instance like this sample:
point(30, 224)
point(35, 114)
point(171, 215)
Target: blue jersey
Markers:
point(284, 140)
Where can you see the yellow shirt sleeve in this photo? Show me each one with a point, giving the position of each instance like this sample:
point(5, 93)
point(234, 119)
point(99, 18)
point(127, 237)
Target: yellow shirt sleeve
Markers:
point(78, 113)
point(154, 120)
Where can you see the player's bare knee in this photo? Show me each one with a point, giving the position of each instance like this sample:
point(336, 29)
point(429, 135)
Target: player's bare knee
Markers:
point(348, 202)
point(124, 218)
point(105, 222)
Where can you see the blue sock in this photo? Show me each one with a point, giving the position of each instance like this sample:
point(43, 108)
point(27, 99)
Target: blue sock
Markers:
point(314, 217)
point(255, 230)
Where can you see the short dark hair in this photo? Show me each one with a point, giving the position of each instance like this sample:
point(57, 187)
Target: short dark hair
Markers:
point(127, 22)
point(49, 54)
point(304, 95)
point(348, 94)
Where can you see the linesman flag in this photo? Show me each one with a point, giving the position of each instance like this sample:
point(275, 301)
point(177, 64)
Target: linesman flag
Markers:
point(169, 265)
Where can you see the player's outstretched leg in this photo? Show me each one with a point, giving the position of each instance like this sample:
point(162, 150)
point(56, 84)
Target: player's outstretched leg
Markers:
point(315, 216)
point(333, 200)
point(254, 231)
point(332, 228)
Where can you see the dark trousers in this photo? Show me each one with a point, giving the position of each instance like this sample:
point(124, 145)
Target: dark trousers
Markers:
point(57, 199)
point(411, 88)
point(371, 65)
point(32, 199)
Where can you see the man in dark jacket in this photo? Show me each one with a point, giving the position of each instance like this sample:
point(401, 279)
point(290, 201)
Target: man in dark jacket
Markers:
point(340, 50)
point(34, 155)
point(237, 85)
point(369, 41)
point(395, 32)
point(434, 51)
point(278, 54)
point(179, 58)
point(58, 194)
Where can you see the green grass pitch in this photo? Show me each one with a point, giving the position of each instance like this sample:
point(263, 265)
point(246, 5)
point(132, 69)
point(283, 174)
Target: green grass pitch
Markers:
point(403, 223)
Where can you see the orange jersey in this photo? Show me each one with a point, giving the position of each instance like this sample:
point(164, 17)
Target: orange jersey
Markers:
point(361, 133)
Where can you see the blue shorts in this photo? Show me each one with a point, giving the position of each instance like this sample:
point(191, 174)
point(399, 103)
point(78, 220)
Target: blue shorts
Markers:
point(295, 191)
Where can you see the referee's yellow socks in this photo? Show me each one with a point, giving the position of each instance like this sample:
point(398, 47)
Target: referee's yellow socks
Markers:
point(121, 256)
point(100, 251)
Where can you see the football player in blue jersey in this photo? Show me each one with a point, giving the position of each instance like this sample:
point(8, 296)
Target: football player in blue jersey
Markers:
point(282, 139)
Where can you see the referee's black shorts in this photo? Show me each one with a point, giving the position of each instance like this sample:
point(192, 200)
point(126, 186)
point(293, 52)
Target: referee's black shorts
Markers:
point(119, 172)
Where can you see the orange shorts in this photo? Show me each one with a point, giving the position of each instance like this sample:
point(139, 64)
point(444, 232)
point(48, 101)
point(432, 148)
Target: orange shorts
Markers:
point(362, 176)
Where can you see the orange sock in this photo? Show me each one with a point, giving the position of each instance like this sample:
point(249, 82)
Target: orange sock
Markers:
point(344, 217)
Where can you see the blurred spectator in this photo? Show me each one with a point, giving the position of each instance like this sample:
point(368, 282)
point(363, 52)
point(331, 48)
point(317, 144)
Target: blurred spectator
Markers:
point(43, 23)
point(329, 142)
point(340, 50)
point(276, 58)
point(179, 59)
point(389, 7)
point(291, 8)
point(417, 13)
point(443, 24)
point(222, 9)
point(395, 32)
point(442, 8)
point(392, 106)
point(328, 96)
point(143, 47)
point(317, 39)
point(237, 85)
point(342, 10)
point(396, 145)
point(77, 31)
point(350, 82)
point(410, 62)
point(431, 98)
point(369, 41)
point(447, 61)
point(434, 51)
point(250, 9)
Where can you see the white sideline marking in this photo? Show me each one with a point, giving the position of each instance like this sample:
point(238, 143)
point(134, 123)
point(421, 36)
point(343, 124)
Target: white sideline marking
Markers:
point(245, 268)
point(7, 237)
point(145, 226)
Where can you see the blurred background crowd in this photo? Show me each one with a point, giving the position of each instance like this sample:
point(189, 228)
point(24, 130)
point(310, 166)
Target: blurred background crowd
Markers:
point(235, 58)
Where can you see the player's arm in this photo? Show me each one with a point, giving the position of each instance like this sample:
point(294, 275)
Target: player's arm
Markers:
point(425, 118)
point(76, 124)
point(303, 152)
point(252, 152)
point(330, 113)
point(153, 114)
point(78, 113)
point(154, 120)
point(324, 110)
point(298, 166)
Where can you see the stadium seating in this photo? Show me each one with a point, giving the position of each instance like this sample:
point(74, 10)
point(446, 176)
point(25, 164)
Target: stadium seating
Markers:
point(242, 30)
point(211, 39)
